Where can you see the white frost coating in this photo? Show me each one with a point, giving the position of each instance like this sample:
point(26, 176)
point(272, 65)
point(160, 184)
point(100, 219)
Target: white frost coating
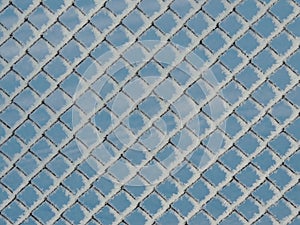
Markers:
point(229, 111)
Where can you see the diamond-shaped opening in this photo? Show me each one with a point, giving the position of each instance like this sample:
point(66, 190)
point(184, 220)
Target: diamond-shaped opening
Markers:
point(105, 216)
point(280, 177)
point(264, 60)
point(281, 77)
point(152, 171)
point(120, 201)
point(40, 50)
point(71, 51)
point(134, 21)
point(248, 110)
point(182, 38)
point(13, 179)
point(248, 9)
point(248, 42)
point(26, 99)
point(264, 192)
point(119, 36)
point(293, 62)
point(199, 124)
point(264, 94)
point(265, 127)
point(149, 8)
point(265, 219)
point(167, 188)
point(293, 162)
point(293, 129)
point(216, 207)
point(280, 210)
point(39, 17)
point(183, 205)
point(248, 143)
point(121, 169)
point(293, 95)
point(247, 176)
point(56, 67)
point(293, 27)
point(57, 133)
point(9, 17)
point(151, 138)
point(184, 172)
point(282, 9)
point(28, 163)
point(88, 135)
point(116, 6)
point(137, 216)
point(198, 23)
point(248, 76)
point(75, 213)
point(265, 26)
point(88, 101)
point(42, 148)
point(167, 155)
point(27, 131)
point(183, 139)
point(40, 83)
point(281, 111)
point(180, 7)
point(90, 199)
point(59, 197)
point(265, 160)
point(57, 100)
point(85, 5)
point(55, 34)
point(11, 115)
point(54, 6)
point(24, 33)
point(281, 43)
point(43, 180)
point(10, 82)
point(232, 191)
point(152, 204)
point(29, 195)
point(10, 49)
point(166, 22)
point(75, 181)
point(135, 155)
point(214, 8)
point(70, 18)
point(231, 125)
point(86, 35)
point(215, 40)
point(169, 217)
point(25, 66)
point(45, 212)
point(13, 211)
point(231, 58)
point(293, 195)
point(232, 92)
point(233, 218)
point(232, 158)
point(200, 216)
point(248, 208)
point(183, 107)
point(199, 190)
point(231, 24)
point(215, 174)
point(280, 144)
point(58, 165)
point(41, 115)
point(102, 20)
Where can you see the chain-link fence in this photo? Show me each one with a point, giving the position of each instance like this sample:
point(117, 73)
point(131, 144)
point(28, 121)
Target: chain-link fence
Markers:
point(150, 112)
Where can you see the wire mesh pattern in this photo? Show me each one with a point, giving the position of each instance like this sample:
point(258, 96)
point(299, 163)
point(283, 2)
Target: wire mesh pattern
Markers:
point(144, 141)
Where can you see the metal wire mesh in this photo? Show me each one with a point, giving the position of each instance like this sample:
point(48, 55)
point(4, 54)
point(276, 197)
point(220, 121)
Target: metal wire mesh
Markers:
point(149, 112)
